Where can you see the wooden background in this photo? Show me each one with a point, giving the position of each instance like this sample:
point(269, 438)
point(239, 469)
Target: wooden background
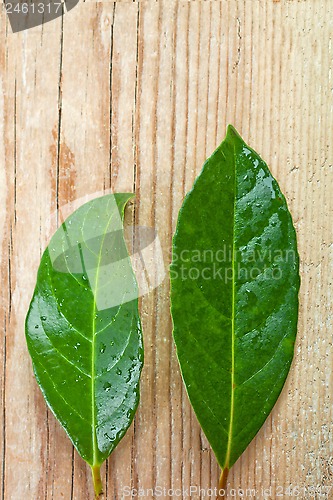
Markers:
point(134, 96)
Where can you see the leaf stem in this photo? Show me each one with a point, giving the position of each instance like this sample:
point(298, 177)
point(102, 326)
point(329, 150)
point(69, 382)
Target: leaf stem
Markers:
point(96, 474)
point(223, 483)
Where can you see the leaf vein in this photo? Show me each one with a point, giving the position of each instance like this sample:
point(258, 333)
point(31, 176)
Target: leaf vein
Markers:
point(57, 390)
point(66, 261)
point(267, 363)
point(213, 306)
point(61, 354)
point(113, 319)
point(264, 403)
point(110, 368)
point(277, 307)
point(209, 408)
point(206, 354)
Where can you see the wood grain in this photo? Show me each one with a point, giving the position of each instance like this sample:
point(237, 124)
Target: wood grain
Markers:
point(133, 96)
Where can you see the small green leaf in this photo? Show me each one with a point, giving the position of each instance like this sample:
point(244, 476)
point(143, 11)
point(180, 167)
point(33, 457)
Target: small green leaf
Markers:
point(83, 329)
point(234, 296)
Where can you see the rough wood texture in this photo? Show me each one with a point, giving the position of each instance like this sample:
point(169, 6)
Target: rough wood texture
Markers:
point(134, 96)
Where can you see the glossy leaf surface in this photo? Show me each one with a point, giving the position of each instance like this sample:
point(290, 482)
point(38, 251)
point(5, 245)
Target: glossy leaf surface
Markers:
point(234, 295)
point(83, 328)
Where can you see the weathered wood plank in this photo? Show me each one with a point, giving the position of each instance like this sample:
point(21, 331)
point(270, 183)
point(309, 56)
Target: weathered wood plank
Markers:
point(134, 96)
point(30, 109)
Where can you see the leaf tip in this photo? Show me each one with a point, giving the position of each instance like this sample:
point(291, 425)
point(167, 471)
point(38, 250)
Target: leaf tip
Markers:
point(232, 132)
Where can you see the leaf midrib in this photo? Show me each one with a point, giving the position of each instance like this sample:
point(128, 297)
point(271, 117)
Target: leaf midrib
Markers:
point(94, 309)
point(227, 459)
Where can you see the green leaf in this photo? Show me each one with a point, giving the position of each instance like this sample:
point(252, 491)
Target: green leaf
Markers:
point(234, 296)
point(83, 329)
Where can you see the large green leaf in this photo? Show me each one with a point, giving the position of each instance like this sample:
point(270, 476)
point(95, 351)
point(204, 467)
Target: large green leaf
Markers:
point(234, 296)
point(83, 329)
